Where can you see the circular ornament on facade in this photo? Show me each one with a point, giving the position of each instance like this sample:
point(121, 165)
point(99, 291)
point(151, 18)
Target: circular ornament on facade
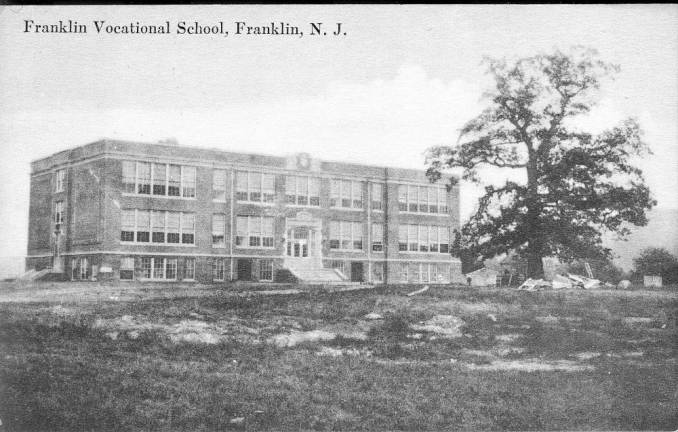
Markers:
point(303, 160)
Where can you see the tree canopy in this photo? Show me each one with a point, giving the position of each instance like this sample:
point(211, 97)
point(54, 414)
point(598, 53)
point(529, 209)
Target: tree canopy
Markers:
point(656, 262)
point(576, 185)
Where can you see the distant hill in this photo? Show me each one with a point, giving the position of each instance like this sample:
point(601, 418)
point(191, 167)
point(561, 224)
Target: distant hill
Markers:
point(661, 231)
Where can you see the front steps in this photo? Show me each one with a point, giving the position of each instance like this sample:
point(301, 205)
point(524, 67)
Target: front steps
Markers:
point(318, 276)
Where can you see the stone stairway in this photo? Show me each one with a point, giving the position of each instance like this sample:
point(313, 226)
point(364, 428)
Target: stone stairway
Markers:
point(317, 275)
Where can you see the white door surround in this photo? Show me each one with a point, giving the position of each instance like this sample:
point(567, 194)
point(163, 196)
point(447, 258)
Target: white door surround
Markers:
point(303, 241)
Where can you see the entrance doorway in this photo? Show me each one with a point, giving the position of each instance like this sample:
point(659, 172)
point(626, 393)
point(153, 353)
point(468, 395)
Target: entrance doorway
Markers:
point(300, 242)
point(245, 269)
point(357, 271)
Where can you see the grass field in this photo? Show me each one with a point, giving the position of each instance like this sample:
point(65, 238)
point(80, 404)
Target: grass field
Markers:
point(450, 358)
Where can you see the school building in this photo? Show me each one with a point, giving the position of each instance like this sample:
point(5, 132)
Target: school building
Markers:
point(163, 212)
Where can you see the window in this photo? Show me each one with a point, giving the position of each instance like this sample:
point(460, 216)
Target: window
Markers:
point(218, 230)
point(422, 199)
point(187, 228)
point(442, 201)
point(424, 273)
point(128, 225)
point(174, 183)
point(413, 273)
point(423, 238)
point(402, 238)
point(59, 212)
point(189, 269)
point(146, 265)
point(377, 196)
point(158, 227)
point(254, 231)
point(188, 182)
point(218, 269)
point(143, 226)
point(255, 187)
point(173, 227)
point(129, 176)
point(266, 270)
point(335, 243)
point(412, 198)
point(433, 238)
point(219, 185)
point(346, 194)
point(412, 238)
point(170, 268)
point(302, 191)
point(433, 200)
point(403, 272)
point(127, 268)
point(377, 237)
point(156, 268)
point(267, 232)
point(158, 179)
point(378, 272)
point(80, 269)
point(60, 181)
point(444, 236)
point(346, 235)
point(144, 178)
point(402, 198)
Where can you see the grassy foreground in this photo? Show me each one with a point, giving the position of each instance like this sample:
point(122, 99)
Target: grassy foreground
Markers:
point(312, 361)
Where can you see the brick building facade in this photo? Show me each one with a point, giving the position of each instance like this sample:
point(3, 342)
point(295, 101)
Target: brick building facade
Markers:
point(139, 211)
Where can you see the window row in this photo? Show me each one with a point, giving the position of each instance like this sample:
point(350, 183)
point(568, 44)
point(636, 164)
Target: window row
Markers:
point(424, 272)
point(299, 190)
point(254, 187)
point(254, 231)
point(423, 238)
point(346, 194)
point(346, 235)
point(265, 272)
point(150, 226)
point(304, 191)
point(422, 199)
point(158, 179)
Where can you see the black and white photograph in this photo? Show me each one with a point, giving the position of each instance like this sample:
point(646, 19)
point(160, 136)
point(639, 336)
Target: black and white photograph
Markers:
point(339, 217)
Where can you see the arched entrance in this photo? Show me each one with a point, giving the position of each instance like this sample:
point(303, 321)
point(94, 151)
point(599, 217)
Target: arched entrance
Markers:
point(303, 242)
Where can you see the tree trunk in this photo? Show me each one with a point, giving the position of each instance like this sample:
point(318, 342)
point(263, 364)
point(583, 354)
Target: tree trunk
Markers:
point(535, 268)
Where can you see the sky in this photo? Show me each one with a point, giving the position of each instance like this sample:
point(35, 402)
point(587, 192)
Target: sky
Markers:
point(402, 79)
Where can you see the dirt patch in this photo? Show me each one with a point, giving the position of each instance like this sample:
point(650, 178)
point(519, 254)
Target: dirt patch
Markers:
point(507, 338)
point(187, 331)
point(587, 355)
point(638, 320)
point(296, 337)
point(447, 326)
point(337, 352)
point(531, 365)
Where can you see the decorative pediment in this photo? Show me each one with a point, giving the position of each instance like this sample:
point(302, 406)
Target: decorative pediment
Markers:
point(304, 215)
point(302, 162)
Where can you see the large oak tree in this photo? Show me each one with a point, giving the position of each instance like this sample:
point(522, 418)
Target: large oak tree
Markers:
point(576, 185)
